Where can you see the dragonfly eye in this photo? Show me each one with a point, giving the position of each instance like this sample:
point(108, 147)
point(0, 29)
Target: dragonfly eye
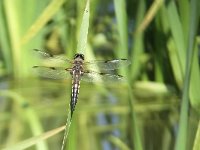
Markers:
point(79, 56)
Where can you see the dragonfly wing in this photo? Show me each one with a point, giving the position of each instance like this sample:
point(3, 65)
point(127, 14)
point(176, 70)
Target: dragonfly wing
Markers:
point(108, 64)
point(42, 53)
point(52, 72)
point(57, 59)
point(91, 76)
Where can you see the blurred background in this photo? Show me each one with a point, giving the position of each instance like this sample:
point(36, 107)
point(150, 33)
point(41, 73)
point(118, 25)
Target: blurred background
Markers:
point(156, 109)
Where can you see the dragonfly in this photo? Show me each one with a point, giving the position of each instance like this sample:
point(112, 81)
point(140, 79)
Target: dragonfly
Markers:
point(79, 70)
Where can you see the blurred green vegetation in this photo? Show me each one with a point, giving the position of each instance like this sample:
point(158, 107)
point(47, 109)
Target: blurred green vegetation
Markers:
point(157, 109)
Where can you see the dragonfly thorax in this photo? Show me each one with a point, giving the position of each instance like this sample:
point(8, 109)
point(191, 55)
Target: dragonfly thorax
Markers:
point(78, 64)
point(77, 69)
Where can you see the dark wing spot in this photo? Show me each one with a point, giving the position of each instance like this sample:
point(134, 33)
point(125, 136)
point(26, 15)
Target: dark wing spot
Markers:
point(110, 74)
point(102, 73)
point(35, 66)
point(53, 68)
point(86, 71)
point(68, 69)
point(106, 61)
point(37, 50)
point(120, 76)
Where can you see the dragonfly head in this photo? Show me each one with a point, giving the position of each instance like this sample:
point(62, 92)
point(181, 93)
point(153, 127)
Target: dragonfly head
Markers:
point(79, 56)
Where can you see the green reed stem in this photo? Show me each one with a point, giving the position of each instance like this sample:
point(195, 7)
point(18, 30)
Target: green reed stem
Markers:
point(82, 42)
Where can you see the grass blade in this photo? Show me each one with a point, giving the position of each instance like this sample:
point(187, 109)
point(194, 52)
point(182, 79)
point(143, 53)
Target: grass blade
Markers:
point(178, 36)
point(67, 127)
point(150, 15)
point(119, 143)
point(197, 139)
point(195, 79)
point(82, 42)
point(32, 141)
point(181, 142)
point(120, 11)
point(52, 8)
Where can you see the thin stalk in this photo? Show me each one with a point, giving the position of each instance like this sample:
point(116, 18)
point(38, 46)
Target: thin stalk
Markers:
point(67, 127)
point(47, 14)
point(12, 17)
point(82, 42)
point(182, 133)
point(150, 15)
point(34, 140)
point(80, 49)
point(120, 11)
point(137, 138)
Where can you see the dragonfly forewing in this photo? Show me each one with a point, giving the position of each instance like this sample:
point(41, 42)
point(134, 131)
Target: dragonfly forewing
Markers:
point(56, 60)
point(108, 64)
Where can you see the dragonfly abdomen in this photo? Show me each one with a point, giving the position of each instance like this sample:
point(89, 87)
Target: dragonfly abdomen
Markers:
point(74, 95)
